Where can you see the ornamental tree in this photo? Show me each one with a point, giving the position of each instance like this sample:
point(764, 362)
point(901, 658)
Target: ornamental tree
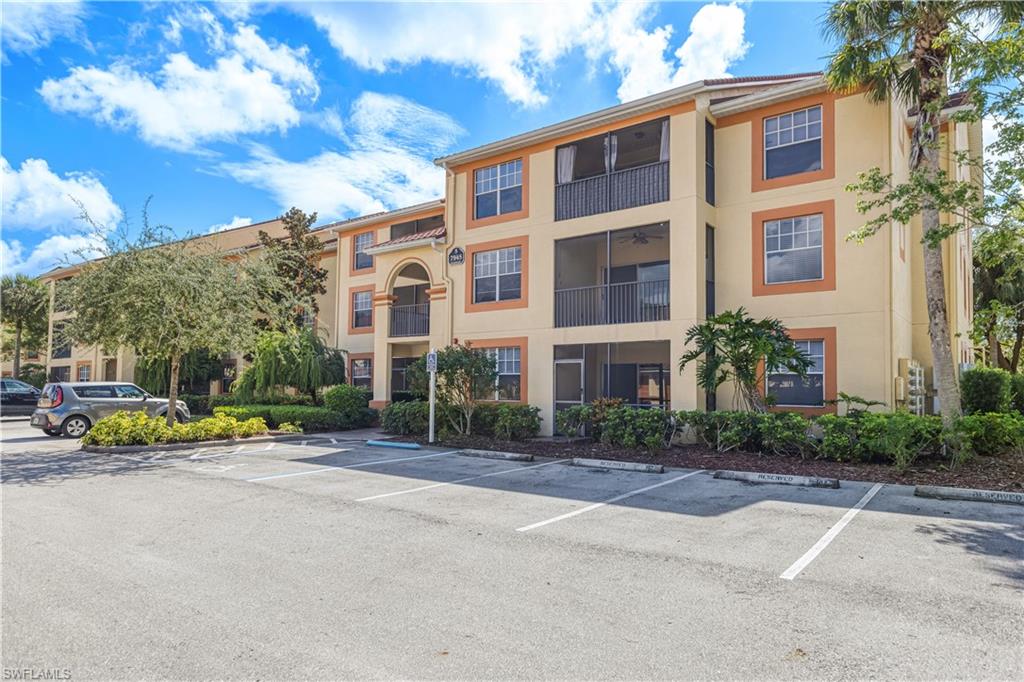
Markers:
point(295, 259)
point(732, 346)
point(165, 298)
point(464, 376)
point(23, 310)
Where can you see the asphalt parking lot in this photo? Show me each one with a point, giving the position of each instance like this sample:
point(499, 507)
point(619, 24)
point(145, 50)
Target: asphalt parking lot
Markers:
point(339, 560)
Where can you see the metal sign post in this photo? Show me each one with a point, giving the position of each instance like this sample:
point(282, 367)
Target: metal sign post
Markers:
point(432, 368)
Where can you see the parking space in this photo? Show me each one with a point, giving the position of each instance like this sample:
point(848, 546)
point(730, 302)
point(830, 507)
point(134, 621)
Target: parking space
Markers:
point(479, 549)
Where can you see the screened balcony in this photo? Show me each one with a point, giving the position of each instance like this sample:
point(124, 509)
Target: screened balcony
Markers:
point(618, 277)
point(637, 373)
point(621, 169)
point(409, 314)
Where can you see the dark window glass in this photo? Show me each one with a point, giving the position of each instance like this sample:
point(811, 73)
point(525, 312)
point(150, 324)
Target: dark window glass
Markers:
point(129, 392)
point(639, 145)
point(94, 392)
point(709, 162)
point(485, 290)
point(512, 199)
point(399, 366)
point(362, 373)
point(61, 373)
point(791, 389)
point(792, 159)
point(61, 346)
point(363, 242)
point(487, 205)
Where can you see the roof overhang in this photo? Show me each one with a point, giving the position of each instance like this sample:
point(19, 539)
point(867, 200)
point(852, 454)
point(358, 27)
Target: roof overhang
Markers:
point(389, 247)
point(384, 216)
point(781, 93)
point(645, 105)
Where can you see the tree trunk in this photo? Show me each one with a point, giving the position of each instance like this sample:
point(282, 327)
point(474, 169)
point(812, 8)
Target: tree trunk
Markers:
point(995, 351)
point(172, 391)
point(930, 61)
point(17, 349)
point(1018, 343)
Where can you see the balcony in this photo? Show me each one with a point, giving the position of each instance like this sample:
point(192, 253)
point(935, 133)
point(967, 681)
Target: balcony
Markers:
point(410, 320)
point(612, 192)
point(616, 277)
point(612, 304)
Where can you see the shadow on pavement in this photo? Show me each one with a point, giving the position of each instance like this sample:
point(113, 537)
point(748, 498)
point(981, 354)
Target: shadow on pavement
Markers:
point(1003, 543)
point(51, 468)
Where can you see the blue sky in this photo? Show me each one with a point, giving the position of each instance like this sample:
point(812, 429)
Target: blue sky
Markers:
point(230, 112)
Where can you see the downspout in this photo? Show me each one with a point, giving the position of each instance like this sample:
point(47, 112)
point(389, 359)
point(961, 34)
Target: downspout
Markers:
point(449, 239)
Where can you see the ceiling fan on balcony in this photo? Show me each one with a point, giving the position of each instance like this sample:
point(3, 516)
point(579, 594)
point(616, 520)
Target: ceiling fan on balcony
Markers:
point(638, 237)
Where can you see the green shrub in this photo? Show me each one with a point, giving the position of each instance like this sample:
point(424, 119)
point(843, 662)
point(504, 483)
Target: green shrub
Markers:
point(991, 434)
point(311, 419)
point(411, 418)
point(724, 430)
point(839, 438)
point(599, 410)
point(899, 438)
point(288, 427)
point(784, 433)
point(985, 389)
point(137, 428)
point(351, 402)
point(637, 428)
point(517, 422)
point(572, 421)
point(484, 417)
point(1017, 392)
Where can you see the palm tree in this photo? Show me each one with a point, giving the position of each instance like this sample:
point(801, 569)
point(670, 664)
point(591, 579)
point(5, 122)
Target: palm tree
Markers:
point(903, 50)
point(23, 303)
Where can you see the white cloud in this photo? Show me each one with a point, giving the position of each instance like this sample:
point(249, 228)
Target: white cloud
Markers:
point(37, 199)
point(252, 87)
point(236, 221)
point(29, 26)
point(387, 165)
point(54, 251)
point(513, 44)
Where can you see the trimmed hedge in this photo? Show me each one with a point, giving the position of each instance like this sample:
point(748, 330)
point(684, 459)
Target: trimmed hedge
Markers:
point(985, 389)
point(351, 402)
point(311, 419)
point(497, 420)
point(137, 428)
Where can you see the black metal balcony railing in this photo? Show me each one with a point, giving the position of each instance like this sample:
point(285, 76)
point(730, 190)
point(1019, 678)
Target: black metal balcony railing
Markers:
point(612, 192)
point(612, 304)
point(410, 320)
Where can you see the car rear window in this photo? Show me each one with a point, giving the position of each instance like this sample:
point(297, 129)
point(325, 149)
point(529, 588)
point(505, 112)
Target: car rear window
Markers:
point(50, 391)
point(94, 391)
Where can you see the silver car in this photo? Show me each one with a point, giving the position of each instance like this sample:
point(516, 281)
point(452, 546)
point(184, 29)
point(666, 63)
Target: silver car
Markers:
point(70, 408)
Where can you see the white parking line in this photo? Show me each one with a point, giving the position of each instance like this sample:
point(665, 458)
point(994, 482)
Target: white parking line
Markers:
point(459, 480)
point(349, 466)
point(802, 563)
point(612, 500)
point(334, 441)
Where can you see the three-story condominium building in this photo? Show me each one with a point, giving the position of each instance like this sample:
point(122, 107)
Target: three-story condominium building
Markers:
point(578, 254)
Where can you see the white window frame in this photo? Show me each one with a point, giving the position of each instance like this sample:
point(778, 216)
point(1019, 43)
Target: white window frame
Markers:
point(356, 308)
point(88, 373)
point(357, 250)
point(369, 370)
point(513, 255)
point(791, 128)
point(805, 346)
point(507, 169)
point(820, 245)
point(512, 360)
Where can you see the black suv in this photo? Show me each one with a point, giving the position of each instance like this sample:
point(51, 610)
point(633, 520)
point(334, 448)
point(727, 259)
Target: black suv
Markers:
point(17, 397)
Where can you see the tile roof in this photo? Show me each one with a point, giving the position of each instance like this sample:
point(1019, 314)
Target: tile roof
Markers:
point(436, 233)
point(758, 79)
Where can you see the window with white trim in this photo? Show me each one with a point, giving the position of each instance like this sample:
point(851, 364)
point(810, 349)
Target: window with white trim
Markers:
point(793, 249)
point(792, 143)
point(497, 275)
point(362, 372)
point(361, 242)
point(792, 390)
point(85, 372)
point(498, 189)
point(507, 385)
point(362, 309)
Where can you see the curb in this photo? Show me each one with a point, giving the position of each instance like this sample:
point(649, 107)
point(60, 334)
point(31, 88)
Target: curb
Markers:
point(115, 449)
point(611, 464)
point(781, 479)
point(495, 454)
point(393, 444)
point(940, 492)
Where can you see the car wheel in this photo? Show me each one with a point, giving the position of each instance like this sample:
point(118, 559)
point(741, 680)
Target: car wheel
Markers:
point(51, 432)
point(179, 417)
point(75, 427)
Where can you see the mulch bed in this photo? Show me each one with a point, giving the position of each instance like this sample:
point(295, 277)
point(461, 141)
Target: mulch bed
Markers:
point(988, 473)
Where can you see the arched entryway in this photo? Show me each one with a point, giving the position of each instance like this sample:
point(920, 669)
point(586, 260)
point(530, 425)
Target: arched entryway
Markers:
point(410, 304)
